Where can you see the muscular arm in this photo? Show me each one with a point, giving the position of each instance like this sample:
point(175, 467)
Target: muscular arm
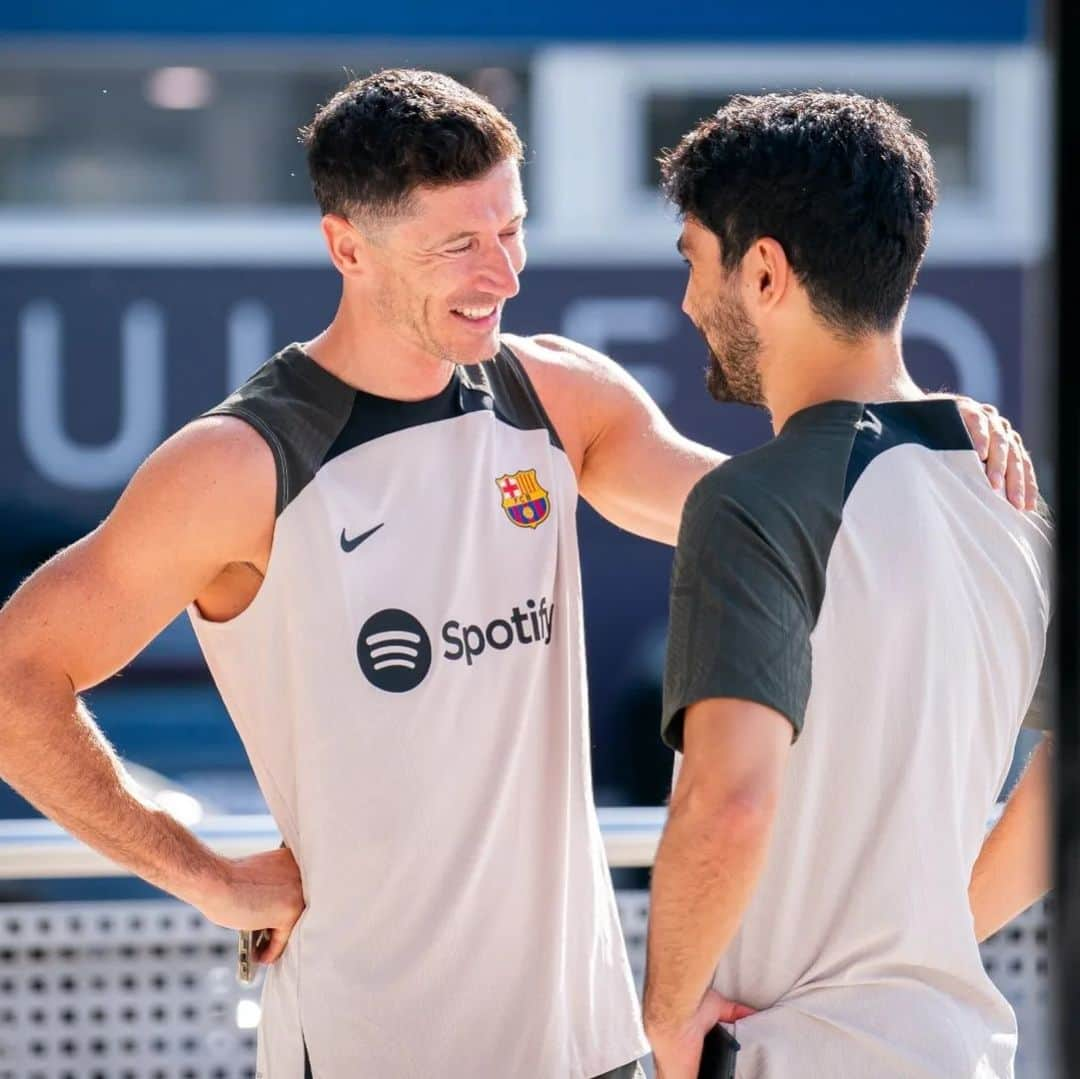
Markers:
point(636, 470)
point(202, 500)
point(633, 467)
point(1013, 867)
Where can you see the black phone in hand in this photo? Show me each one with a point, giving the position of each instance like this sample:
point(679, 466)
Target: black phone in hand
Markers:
point(718, 1055)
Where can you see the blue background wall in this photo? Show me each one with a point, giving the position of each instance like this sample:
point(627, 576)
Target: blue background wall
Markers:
point(970, 21)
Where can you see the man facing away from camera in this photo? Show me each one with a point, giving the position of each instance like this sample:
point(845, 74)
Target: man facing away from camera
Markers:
point(857, 631)
point(375, 540)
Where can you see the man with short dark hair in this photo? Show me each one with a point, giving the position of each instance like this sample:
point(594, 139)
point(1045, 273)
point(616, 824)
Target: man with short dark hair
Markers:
point(375, 540)
point(857, 629)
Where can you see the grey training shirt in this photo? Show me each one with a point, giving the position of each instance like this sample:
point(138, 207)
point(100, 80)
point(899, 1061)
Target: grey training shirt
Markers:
point(858, 575)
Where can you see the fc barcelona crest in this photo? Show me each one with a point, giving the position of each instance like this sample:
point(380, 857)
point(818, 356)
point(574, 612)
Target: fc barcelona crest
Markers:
point(524, 501)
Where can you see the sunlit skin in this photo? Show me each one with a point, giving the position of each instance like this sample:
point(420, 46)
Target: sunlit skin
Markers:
point(411, 282)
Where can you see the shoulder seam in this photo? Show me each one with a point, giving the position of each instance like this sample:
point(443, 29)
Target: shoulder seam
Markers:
point(272, 439)
point(893, 437)
point(522, 377)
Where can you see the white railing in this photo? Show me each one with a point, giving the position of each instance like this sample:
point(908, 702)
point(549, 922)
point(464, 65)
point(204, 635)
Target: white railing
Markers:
point(35, 849)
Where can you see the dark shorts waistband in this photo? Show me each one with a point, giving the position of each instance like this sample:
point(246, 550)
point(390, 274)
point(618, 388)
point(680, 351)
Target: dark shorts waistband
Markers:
point(633, 1070)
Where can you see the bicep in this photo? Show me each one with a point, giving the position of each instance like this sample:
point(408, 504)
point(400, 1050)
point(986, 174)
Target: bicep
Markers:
point(636, 469)
point(186, 513)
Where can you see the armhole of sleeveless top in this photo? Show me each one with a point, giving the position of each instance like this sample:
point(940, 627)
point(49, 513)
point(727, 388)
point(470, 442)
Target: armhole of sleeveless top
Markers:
point(269, 436)
point(521, 377)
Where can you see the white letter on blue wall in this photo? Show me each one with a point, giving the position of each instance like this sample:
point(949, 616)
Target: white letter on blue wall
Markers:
point(41, 385)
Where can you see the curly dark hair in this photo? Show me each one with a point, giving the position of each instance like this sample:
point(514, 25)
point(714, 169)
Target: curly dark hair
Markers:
point(841, 181)
point(374, 142)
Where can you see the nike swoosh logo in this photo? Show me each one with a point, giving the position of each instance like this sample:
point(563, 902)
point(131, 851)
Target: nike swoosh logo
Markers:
point(871, 423)
point(348, 545)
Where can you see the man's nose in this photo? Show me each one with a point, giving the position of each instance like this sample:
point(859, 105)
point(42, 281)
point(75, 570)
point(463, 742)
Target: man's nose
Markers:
point(499, 275)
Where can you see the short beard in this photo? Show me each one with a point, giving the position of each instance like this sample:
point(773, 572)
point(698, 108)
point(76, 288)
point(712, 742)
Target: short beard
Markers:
point(733, 374)
point(393, 303)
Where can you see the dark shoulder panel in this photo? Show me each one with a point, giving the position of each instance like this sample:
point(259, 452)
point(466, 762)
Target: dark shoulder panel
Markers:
point(934, 423)
point(749, 573)
point(299, 409)
point(516, 401)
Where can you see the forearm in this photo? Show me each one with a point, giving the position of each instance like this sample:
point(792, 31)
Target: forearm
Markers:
point(54, 754)
point(1013, 867)
point(705, 871)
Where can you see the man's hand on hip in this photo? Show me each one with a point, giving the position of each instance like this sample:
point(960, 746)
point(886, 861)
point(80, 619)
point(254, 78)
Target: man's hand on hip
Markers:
point(678, 1052)
point(261, 891)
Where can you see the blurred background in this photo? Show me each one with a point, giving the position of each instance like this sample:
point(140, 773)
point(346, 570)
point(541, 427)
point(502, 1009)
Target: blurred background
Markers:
point(158, 241)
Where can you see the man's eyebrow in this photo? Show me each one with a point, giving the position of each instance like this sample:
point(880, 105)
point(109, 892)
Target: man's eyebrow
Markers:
point(454, 238)
point(516, 220)
point(680, 246)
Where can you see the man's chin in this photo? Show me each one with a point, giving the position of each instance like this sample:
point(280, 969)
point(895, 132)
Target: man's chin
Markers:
point(717, 384)
point(720, 389)
point(481, 347)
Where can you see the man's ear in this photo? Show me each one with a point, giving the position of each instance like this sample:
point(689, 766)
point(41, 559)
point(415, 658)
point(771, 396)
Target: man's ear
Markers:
point(767, 272)
point(347, 246)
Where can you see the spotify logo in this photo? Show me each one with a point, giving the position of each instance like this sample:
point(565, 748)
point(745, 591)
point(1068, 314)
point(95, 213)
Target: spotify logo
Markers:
point(394, 651)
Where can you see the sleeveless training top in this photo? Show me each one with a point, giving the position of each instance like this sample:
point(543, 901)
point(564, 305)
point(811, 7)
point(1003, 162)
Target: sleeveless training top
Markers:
point(409, 684)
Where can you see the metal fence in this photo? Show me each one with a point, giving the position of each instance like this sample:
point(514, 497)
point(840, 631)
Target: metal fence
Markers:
point(147, 989)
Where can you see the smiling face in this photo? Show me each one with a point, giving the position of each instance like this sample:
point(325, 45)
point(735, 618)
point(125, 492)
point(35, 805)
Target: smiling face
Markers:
point(713, 304)
point(440, 274)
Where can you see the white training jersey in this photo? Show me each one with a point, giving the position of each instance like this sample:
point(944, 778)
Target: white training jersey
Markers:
point(858, 575)
point(409, 683)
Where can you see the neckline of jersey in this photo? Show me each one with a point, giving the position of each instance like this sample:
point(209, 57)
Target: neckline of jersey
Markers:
point(846, 410)
point(312, 368)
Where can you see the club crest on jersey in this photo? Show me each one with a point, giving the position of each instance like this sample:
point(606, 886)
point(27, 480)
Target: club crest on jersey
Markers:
point(524, 501)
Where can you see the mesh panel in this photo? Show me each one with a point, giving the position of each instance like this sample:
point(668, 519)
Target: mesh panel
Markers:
point(135, 990)
point(147, 990)
point(1018, 959)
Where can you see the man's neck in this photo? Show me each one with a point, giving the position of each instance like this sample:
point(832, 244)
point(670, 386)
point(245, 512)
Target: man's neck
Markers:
point(826, 369)
point(359, 351)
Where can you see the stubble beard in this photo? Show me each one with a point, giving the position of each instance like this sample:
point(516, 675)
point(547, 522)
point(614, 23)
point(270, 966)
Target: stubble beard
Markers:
point(397, 305)
point(734, 373)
